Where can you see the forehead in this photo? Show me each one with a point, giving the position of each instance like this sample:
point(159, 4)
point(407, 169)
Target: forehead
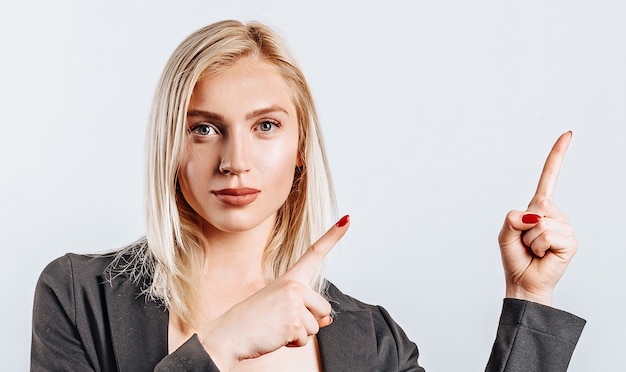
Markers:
point(248, 80)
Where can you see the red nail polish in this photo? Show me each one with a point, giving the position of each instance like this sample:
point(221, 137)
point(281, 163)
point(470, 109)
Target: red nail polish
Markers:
point(531, 218)
point(343, 221)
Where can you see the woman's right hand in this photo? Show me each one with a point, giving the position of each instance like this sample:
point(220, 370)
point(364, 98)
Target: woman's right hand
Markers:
point(284, 313)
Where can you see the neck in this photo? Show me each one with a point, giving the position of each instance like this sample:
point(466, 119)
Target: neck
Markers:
point(236, 257)
point(234, 269)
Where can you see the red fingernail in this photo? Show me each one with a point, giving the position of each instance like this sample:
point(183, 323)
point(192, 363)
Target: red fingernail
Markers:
point(531, 218)
point(343, 221)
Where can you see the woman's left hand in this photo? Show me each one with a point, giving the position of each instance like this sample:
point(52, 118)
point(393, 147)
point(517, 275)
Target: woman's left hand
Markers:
point(538, 244)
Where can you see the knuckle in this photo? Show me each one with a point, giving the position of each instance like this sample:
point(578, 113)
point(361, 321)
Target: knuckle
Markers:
point(292, 297)
point(543, 204)
point(511, 216)
point(292, 288)
point(537, 250)
point(526, 238)
point(293, 305)
point(302, 339)
point(314, 329)
point(573, 244)
point(548, 237)
point(293, 325)
point(316, 249)
point(327, 308)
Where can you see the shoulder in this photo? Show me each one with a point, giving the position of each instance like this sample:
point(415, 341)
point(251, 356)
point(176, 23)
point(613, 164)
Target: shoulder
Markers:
point(82, 272)
point(343, 302)
point(372, 326)
point(72, 264)
point(72, 268)
point(67, 281)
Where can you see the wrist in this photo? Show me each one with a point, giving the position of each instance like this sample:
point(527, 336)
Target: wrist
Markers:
point(544, 298)
point(220, 350)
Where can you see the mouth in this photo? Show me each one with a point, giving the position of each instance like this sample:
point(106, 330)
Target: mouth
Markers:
point(236, 197)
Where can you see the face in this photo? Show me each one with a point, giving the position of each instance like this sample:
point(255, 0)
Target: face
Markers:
point(242, 148)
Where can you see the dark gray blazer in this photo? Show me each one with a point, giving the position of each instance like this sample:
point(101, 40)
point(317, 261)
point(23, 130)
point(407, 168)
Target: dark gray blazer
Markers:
point(81, 322)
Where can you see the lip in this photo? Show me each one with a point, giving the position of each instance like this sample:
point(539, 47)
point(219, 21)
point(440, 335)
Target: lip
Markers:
point(236, 197)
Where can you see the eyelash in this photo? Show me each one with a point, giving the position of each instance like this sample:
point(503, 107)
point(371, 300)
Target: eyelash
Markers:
point(273, 123)
point(195, 129)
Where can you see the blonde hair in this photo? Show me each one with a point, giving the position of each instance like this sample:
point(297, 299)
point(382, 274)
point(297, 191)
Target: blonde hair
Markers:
point(173, 250)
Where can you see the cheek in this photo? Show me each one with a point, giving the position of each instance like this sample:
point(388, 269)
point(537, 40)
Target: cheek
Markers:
point(199, 160)
point(280, 162)
point(194, 173)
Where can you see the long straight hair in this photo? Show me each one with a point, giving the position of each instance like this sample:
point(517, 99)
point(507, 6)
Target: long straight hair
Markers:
point(173, 255)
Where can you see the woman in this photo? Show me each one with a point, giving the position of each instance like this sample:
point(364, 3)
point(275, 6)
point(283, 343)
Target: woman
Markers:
point(227, 278)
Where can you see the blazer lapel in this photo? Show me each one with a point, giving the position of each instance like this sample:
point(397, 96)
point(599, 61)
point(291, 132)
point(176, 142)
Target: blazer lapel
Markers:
point(139, 332)
point(349, 343)
point(138, 327)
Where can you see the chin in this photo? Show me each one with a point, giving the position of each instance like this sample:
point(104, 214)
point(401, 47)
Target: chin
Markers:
point(240, 223)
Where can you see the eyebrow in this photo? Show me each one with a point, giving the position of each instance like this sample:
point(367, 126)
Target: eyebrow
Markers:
point(251, 115)
point(205, 114)
point(266, 110)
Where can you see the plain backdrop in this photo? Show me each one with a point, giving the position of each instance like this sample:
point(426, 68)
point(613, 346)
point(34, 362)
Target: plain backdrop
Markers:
point(437, 117)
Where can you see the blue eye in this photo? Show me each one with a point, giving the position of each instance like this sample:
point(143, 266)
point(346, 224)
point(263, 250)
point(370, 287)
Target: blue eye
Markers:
point(267, 126)
point(202, 129)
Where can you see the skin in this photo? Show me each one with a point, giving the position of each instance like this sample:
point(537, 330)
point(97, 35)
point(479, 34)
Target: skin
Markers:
point(243, 133)
point(241, 154)
point(292, 312)
point(535, 256)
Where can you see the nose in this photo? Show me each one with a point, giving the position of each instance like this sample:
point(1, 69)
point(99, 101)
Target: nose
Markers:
point(234, 158)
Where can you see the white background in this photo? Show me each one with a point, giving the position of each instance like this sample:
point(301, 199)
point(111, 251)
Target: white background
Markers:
point(437, 117)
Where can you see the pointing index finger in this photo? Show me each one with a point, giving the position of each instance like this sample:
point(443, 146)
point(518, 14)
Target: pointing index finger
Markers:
point(306, 267)
point(552, 167)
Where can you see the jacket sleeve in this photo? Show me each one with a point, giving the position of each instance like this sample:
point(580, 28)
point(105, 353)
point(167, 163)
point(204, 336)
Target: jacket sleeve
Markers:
point(191, 356)
point(534, 338)
point(55, 343)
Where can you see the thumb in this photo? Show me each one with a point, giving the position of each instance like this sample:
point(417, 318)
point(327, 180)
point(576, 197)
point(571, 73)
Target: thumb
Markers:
point(515, 223)
point(306, 267)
